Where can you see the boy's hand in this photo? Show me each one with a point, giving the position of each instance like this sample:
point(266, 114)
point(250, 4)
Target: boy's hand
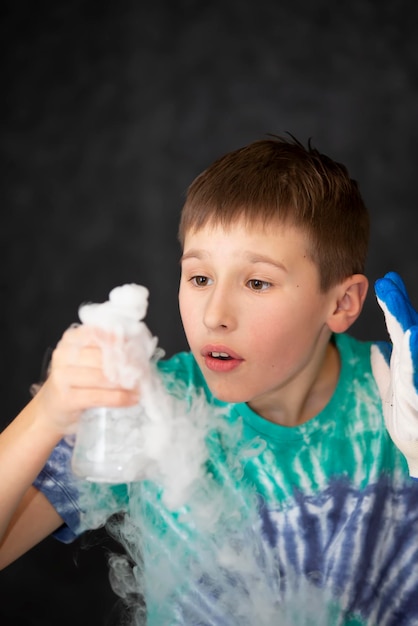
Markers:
point(76, 380)
point(396, 373)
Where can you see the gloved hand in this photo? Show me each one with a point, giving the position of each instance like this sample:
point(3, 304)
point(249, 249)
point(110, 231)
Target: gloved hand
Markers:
point(396, 370)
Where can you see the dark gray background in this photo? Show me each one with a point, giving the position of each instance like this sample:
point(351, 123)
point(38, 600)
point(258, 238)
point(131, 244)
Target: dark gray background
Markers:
point(109, 110)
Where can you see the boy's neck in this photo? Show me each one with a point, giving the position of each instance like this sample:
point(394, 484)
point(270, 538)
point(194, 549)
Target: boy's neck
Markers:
point(308, 397)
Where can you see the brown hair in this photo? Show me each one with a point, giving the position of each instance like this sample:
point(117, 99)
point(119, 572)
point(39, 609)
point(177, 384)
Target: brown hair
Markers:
point(280, 180)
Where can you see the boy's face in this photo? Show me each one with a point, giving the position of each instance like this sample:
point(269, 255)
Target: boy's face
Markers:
point(252, 311)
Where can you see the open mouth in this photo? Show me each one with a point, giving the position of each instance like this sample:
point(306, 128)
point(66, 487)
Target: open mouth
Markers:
point(220, 360)
point(223, 356)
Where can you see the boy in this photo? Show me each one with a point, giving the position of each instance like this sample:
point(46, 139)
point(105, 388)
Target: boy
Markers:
point(315, 515)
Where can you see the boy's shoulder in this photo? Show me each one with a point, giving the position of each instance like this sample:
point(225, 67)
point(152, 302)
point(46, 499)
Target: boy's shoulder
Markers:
point(354, 352)
point(357, 394)
point(356, 374)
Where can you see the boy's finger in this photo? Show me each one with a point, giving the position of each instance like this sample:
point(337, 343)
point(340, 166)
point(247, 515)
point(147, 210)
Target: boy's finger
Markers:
point(392, 291)
point(77, 356)
point(88, 336)
point(88, 398)
point(395, 304)
point(85, 377)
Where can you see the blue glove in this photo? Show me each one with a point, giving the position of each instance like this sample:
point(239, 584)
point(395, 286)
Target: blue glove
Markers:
point(396, 370)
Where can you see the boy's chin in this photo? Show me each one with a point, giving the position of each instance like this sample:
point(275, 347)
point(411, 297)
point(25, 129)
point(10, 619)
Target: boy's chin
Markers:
point(229, 396)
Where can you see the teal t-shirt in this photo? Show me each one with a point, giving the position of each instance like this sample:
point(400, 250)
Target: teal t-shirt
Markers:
point(310, 525)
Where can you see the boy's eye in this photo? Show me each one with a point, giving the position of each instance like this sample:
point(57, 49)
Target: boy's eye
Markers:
point(258, 285)
point(200, 281)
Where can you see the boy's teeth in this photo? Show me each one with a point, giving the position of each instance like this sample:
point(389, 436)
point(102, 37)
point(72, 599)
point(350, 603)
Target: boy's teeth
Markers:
point(220, 355)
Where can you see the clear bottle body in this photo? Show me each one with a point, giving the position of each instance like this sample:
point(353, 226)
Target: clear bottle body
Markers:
point(108, 446)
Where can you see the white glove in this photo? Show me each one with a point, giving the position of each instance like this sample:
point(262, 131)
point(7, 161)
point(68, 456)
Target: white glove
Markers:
point(396, 370)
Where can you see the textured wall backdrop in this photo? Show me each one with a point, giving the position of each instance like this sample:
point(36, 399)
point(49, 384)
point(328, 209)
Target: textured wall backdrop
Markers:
point(109, 110)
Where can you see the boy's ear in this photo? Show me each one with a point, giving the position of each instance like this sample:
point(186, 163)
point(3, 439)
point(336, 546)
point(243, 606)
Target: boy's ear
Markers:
point(350, 296)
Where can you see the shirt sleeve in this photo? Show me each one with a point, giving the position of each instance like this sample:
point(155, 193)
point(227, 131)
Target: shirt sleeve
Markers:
point(83, 505)
point(61, 488)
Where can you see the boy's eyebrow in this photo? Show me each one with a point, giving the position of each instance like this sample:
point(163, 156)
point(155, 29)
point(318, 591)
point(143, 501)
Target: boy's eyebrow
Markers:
point(262, 258)
point(194, 254)
point(250, 256)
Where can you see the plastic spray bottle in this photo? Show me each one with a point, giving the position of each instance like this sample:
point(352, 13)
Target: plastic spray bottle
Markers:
point(108, 445)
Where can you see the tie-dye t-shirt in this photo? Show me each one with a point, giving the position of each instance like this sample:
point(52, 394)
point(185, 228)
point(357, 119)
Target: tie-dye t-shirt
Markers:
point(311, 525)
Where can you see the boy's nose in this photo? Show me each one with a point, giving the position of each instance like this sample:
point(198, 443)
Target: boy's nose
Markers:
point(219, 311)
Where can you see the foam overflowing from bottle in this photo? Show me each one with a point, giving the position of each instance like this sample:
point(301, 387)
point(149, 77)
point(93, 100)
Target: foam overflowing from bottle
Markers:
point(127, 356)
point(195, 551)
